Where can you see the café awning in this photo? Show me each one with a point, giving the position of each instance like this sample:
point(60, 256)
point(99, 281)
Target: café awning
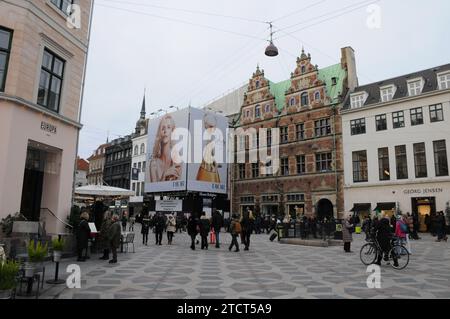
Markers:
point(361, 208)
point(385, 206)
point(102, 190)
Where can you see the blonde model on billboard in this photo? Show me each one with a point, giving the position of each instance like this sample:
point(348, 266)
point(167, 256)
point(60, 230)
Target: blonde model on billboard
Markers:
point(208, 171)
point(162, 166)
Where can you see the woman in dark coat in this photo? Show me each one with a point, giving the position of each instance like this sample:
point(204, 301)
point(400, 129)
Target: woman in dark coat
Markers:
point(145, 230)
point(193, 228)
point(347, 234)
point(205, 227)
point(103, 235)
point(83, 233)
point(114, 237)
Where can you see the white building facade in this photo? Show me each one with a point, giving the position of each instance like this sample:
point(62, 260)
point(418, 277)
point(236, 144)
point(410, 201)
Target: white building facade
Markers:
point(396, 141)
point(138, 163)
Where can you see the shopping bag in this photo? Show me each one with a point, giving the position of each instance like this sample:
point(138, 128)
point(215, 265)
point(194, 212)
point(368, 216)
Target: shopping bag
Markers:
point(273, 234)
point(358, 230)
point(212, 237)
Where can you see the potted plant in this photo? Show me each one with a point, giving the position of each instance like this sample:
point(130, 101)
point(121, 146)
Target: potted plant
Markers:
point(8, 278)
point(36, 255)
point(58, 247)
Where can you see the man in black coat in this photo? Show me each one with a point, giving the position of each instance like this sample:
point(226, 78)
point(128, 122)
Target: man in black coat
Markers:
point(159, 224)
point(384, 237)
point(83, 233)
point(217, 224)
point(205, 227)
point(145, 229)
point(193, 228)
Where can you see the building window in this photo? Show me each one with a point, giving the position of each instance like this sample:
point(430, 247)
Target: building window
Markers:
point(300, 132)
point(357, 101)
point(5, 50)
point(284, 134)
point(269, 137)
point(304, 99)
point(416, 116)
point(398, 119)
point(257, 84)
point(285, 166)
point(292, 101)
point(317, 96)
point(322, 127)
point(301, 164)
point(138, 189)
point(267, 110)
point(296, 198)
point(381, 122)
point(255, 170)
point(269, 168)
point(420, 160)
point(401, 161)
point(383, 164)
point(444, 81)
point(360, 174)
point(136, 150)
point(257, 111)
point(133, 187)
point(440, 158)
point(143, 166)
point(303, 69)
point(134, 165)
point(436, 113)
point(324, 162)
point(415, 88)
point(387, 94)
point(139, 166)
point(358, 126)
point(241, 171)
point(62, 4)
point(51, 81)
point(142, 148)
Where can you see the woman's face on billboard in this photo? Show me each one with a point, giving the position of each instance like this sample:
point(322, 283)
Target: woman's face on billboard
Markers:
point(166, 130)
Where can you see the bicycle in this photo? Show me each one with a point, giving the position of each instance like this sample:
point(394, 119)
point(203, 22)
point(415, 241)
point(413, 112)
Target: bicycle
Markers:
point(398, 256)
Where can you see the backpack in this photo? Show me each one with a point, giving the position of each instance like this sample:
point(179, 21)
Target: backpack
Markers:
point(237, 228)
point(404, 228)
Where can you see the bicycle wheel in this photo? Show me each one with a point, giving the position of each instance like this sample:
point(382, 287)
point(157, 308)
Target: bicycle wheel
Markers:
point(399, 257)
point(368, 254)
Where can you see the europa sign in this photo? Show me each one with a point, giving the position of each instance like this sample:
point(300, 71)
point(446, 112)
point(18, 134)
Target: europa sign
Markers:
point(48, 127)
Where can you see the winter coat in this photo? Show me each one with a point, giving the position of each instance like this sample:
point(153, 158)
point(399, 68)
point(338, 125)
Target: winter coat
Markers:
point(192, 226)
point(103, 235)
point(383, 233)
point(217, 221)
point(114, 235)
point(246, 221)
point(233, 227)
point(171, 225)
point(145, 226)
point(158, 223)
point(205, 226)
point(83, 234)
point(398, 229)
point(346, 234)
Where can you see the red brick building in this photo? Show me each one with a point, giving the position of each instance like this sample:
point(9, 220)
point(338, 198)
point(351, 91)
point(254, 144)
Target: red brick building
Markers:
point(305, 108)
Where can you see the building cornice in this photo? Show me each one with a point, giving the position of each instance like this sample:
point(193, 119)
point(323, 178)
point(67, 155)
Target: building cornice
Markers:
point(39, 109)
point(394, 102)
point(433, 180)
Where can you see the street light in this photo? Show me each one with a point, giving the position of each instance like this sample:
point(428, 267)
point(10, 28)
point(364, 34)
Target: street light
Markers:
point(271, 50)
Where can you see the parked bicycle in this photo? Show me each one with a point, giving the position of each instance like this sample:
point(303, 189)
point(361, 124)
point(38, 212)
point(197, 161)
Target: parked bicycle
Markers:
point(397, 257)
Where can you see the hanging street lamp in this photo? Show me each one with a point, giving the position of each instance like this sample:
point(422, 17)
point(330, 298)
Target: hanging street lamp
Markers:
point(271, 50)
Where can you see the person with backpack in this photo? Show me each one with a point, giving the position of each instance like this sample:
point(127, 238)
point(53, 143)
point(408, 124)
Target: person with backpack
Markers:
point(205, 226)
point(235, 230)
point(246, 221)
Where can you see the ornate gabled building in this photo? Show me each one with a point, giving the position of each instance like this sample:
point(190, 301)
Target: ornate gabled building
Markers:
point(305, 110)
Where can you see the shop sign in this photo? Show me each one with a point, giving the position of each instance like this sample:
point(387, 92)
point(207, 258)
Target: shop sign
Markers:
point(423, 191)
point(169, 205)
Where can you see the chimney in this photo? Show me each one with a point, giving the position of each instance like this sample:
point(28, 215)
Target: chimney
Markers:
point(348, 62)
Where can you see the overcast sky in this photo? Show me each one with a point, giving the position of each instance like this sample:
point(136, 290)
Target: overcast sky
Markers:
point(184, 58)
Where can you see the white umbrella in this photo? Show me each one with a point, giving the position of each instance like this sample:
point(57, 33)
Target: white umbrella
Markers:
point(101, 190)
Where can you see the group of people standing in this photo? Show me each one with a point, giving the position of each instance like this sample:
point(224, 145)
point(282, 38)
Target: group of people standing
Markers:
point(159, 223)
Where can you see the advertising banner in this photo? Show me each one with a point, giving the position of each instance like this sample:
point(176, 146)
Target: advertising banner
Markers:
point(169, 205)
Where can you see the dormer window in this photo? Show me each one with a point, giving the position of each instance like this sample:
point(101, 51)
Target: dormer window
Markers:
point(317, 96)
point(257, 84)
point(303, 69)
point(387, 93)
point(292, 101)
point(357, 100)
point(444, 81)
point(333, 81)
point(267, 110)
point(415, 87)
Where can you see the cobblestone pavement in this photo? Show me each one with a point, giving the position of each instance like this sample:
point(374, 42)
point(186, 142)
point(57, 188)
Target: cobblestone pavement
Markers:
point(268, 270)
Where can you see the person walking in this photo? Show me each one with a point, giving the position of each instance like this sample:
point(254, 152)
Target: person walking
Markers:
point(132, 222)
point(366, 227)
point(441, 227)
point(347, 233)
point(159, 225)
point(145, 230)
point(171, 228)
point(124, 221)
point(246, 222)
point(217, 224)
point(204, 230)
point(83, 233)
point(401, 230)
point(193, 228)
point(103, 235)
point(235, 229)
point(114, 238)
point(427, 222)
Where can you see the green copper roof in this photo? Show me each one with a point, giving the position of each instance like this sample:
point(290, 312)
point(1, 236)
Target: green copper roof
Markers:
point(332, 71)
point(278, 90)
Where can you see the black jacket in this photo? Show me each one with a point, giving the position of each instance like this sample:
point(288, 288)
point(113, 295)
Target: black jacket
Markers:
point(204, 226)
point(192, 226)
point(158, 223)
point(217, 221)
point(83, 234)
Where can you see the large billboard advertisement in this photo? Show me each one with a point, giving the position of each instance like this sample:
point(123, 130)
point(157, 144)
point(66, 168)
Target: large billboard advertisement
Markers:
point(207, 171)
point(166, 169)
point(187, 151)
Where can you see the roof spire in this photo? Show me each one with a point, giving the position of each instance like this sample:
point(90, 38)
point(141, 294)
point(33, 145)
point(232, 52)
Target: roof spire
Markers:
point(143, 107)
